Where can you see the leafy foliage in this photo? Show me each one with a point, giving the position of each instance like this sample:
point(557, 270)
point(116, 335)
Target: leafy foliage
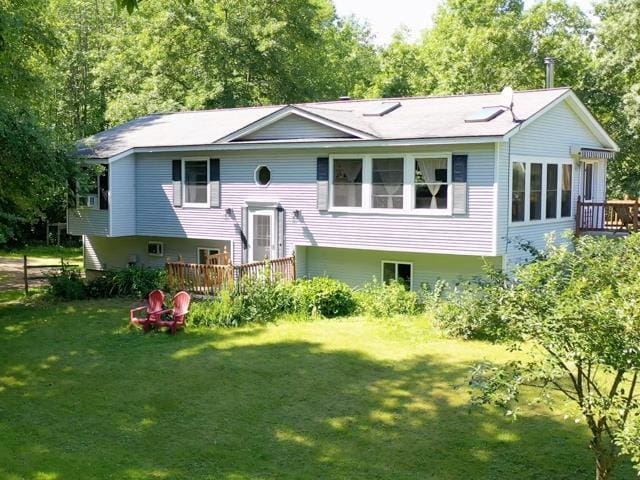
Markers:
point(324, 296)
point(574, 313)
point(67, 285)
point(386, 299)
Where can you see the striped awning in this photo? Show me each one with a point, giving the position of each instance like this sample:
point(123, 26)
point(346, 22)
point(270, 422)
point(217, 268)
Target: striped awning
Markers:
point(596, 153)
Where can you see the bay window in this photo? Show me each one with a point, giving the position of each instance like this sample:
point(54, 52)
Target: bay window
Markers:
point(540, 191)
point(431, 183)
point(196, 175)
point(347, 182)
point(387, 181)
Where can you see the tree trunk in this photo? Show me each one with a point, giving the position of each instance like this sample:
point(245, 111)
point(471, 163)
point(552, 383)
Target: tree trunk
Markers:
point(606, 456)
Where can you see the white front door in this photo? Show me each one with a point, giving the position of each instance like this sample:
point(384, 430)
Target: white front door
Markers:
point(261, 235)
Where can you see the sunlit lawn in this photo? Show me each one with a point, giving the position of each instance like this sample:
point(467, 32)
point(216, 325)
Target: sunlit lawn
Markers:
point(83, 397)
point(48, 252)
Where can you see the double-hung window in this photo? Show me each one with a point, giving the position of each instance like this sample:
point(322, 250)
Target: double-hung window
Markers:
point(196, 175)
point(540, 190)
point(431, 187)
point(387, 182)
point(347, 182)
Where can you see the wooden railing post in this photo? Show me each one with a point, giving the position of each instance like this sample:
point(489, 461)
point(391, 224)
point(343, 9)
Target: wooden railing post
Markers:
point(635, 215)
point(26, 275)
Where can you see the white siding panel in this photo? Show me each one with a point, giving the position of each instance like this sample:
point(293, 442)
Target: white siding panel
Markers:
point(123, 197)
point(293, 185)
point(110, 253)
point(88, 221)
point(293, 127)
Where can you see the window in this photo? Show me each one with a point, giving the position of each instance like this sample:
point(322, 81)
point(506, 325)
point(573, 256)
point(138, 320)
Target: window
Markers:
point(588, 182)
point(263, 176)
point(552, 191)
point(518, 192)
point(565, 206)
point(155, 249)
point(204, 252)
point(93, 187)
point(430, 183)
point(196, 174)
point(387, 182)
point(535, 192)
point(347, 182)
point(397, 271)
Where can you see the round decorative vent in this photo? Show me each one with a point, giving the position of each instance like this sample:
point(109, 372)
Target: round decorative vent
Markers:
point(263, 175)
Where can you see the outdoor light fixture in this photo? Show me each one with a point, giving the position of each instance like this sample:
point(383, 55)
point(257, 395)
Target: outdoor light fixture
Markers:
point(297, 214)
point(229, 211)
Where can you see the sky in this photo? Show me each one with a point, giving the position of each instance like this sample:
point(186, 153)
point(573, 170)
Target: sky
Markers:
point(386, 16)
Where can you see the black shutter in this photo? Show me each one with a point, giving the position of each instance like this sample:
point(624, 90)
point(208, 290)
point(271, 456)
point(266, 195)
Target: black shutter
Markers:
point(176, 177)
point(103, 188)
point(214, 182)
point(459, 177)
point(322, 178)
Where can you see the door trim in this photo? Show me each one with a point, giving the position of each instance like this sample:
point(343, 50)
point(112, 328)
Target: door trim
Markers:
point(271, 213)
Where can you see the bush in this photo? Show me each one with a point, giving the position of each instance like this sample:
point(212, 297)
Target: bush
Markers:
point(472, 310)
point(386, 299)
point(135, 281)
point(67, 285)
point(433, 296)
point(324, 296)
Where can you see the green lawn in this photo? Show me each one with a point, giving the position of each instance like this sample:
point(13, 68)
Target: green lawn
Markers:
point(81, 396)
point(54, 252)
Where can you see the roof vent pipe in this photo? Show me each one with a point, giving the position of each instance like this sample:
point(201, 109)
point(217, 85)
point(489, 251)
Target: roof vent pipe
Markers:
point(549, 63)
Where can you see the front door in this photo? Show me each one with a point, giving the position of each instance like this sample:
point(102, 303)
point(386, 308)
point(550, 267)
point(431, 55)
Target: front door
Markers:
point(261, 235)
point(588, 181)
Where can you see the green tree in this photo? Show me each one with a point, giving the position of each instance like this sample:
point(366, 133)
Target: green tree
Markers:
point(618, 61)
point(573, 315)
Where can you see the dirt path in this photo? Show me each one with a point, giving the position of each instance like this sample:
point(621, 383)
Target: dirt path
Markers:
point(11, 272)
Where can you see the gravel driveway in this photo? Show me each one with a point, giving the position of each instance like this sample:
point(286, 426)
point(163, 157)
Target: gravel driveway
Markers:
point(11, 276)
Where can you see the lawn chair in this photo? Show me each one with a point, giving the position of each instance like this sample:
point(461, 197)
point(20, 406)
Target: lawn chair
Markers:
point(176, 314)
point(153, 311)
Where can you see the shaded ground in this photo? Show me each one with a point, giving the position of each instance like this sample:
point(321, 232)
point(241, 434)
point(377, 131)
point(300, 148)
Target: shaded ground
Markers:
point(12, 274)
point(81, 396)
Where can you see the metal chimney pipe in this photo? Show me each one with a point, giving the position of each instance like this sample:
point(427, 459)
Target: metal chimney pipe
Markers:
point(549, 63)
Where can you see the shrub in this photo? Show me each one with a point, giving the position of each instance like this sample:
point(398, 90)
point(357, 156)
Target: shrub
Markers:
point(220, 312)
point(66, 285)
point(472, 310)
point(135, 281)
point(323, 296)
point(386, 299)
point(433, 296)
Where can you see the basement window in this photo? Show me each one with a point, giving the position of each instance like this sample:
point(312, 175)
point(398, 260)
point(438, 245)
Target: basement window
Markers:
point(398, 271)
point(155, 249)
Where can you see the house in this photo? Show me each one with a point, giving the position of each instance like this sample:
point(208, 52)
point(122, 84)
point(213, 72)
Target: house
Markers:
point(410, 188)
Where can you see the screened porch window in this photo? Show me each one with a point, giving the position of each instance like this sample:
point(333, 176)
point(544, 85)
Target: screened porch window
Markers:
point(552, 190)
point(195, 182)
point(387, 182)
point(518, 192)
point(431, 188)
point(565, 206)
point(347, 182)
point(535, 194)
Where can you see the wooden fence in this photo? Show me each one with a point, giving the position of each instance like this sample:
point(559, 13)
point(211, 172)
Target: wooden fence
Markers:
point(210, 279)
point(615, 216)
point(26, 276)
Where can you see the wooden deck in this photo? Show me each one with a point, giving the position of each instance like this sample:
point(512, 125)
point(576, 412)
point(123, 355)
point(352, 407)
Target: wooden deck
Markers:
point(208, 279)
point(610, 217)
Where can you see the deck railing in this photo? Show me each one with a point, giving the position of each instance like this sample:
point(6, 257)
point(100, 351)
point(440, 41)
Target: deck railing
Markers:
point(210, 279)
point(614, 216)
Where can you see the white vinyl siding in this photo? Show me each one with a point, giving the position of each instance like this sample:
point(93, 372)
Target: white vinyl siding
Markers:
point(88, 221)
point(123, 196)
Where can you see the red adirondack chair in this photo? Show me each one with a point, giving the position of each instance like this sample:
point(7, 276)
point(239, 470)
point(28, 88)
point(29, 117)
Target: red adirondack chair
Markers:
point(153, 311)
point(176, 314)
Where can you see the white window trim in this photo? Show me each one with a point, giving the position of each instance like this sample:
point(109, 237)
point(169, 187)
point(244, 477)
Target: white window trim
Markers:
point(184, 184)
point(408, 201)
point(155, 254)
point(594, 179)
point(208, 249)
point(528, 160)
point(255, 176)
point(396, 262)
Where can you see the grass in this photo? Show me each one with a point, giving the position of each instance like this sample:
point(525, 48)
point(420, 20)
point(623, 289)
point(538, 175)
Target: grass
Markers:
point(55, 252)
point(81, 396)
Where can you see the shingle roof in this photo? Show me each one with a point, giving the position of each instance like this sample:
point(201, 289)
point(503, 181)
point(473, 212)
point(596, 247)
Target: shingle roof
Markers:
point(416, 118)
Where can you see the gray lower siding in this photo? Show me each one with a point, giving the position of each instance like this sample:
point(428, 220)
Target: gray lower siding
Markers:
point(357, 267)
point(101, 253)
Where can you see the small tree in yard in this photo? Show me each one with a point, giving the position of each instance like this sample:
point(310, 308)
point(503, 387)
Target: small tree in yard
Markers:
point(574, 314)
